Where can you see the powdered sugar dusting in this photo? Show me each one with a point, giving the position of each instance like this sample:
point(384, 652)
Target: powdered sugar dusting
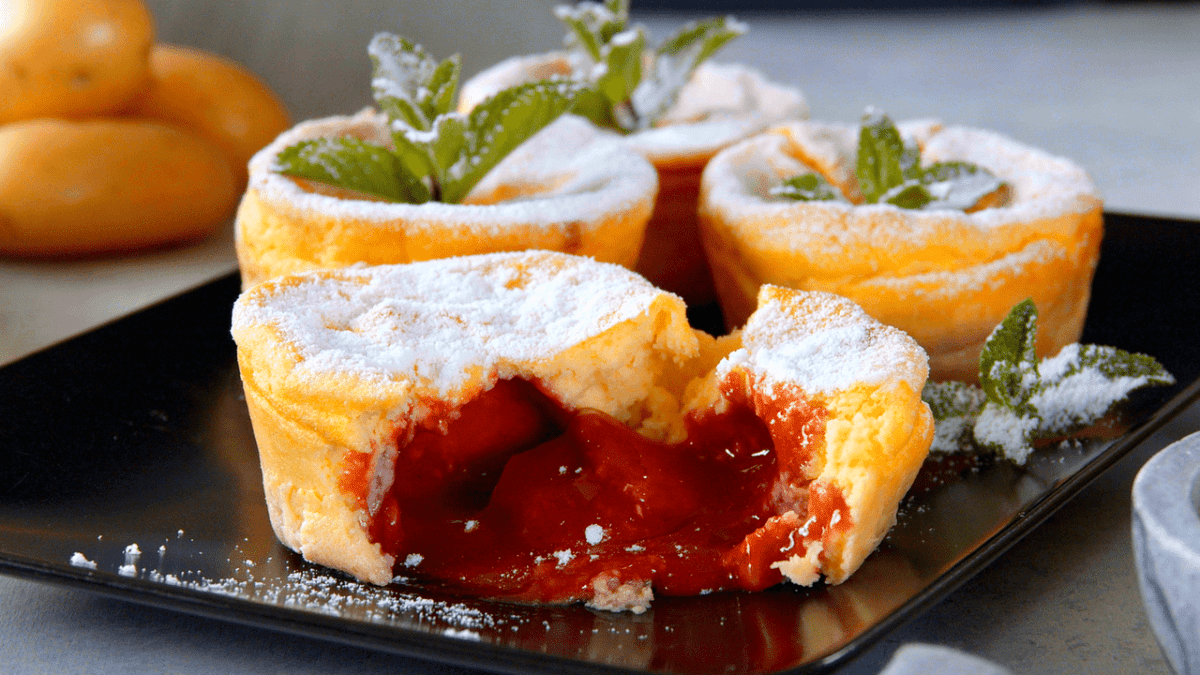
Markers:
point(720, 105)
point(438, 321)
point(823, 343)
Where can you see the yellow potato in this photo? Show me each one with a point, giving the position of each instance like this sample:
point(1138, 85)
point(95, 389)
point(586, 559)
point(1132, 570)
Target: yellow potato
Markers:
point(71, 58)
point(79, 187)
point(214, 97)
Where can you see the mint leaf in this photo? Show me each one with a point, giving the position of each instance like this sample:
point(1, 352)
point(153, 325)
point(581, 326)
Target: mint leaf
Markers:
point(1023, 400)
point(881, 156)
point(622, 66)
point(409, 85)
point(439, 154)
point(889, 171)
point(1008, 363)
point(1081, 383)
point(501, 123)
point(808, 187)
point(592, 25)
point(674, 62)
point(636, 95)
point(699, 40)
point(958, 185)
point(354, 165)
point(907, 195)
point(955, 407)
point(596, 107)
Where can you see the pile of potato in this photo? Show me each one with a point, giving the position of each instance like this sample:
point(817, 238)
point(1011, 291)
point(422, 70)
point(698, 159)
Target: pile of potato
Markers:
point(110, 142)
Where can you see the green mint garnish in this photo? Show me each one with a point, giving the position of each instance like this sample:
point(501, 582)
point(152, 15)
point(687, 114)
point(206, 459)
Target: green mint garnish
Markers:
point(593, 25)
point(674, 62)
point(629, 93)
point(409, 84)
point(1008, 362)
point(884, 162)
point(955, 407)
point(807, 187)
point(889, 171)
point(439, 154)
point(354, 165)
point(1022, 400)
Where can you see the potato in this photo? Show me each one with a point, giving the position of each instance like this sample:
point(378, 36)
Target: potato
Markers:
point(71, 58)
point(214, 97)
point(105, 185)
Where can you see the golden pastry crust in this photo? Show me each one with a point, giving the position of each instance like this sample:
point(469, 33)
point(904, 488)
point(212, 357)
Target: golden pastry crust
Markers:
point(721, 105)
point(339, 367)
point(570, 188)
point(945, 277)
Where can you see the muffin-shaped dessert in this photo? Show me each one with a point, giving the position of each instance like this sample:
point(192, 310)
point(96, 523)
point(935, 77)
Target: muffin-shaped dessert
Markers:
point(971, 224)
point(542, 427)
point(419, 181)
point(672, 106)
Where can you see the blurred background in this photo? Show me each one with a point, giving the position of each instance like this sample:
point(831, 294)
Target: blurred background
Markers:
point(1110, 85)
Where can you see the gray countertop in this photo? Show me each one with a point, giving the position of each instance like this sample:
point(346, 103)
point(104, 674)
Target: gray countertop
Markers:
point(1111, 86)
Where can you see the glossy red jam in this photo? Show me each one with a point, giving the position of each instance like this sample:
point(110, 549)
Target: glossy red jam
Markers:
point(522, 499)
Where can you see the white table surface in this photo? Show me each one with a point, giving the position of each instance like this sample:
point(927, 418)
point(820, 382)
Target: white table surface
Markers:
point(1111, 86)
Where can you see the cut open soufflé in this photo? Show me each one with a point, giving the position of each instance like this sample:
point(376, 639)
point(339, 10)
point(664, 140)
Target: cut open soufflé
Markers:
point(541, 427)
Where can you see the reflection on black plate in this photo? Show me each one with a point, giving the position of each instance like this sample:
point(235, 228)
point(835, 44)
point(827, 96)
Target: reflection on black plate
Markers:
point(136, 434)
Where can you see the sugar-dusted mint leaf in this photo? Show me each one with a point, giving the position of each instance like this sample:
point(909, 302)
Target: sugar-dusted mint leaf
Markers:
point(409, 85)
point(1023, 400)
point(354, 165)
point(907, 195)
point(674, 62)
point(701, 39)
point(807, 187)
point(498, 125)
point(1006, 432)
point(592, 25)
point(955, 407)
point(1081, 383)
point(882, 156)
point(594, 106)
point(958, 185)
point(889, 171)
point(611, 57)
point(1008, 369)
point(622, 66)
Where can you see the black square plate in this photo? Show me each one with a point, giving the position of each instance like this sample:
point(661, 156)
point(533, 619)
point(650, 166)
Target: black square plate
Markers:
point(136, 434)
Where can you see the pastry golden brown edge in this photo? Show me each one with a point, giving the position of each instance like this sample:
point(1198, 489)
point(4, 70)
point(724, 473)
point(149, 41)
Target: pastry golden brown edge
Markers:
point(642, 364)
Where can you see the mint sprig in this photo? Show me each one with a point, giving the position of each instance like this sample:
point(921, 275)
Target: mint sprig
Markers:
point(1022, 400)
point(353, 165)
point(889, 171)
point(410, 85)
point(438, 154)
point(807, 187)
point(631, 93)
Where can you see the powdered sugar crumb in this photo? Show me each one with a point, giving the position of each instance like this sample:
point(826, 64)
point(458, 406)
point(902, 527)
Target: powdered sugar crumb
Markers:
point(327, 593)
